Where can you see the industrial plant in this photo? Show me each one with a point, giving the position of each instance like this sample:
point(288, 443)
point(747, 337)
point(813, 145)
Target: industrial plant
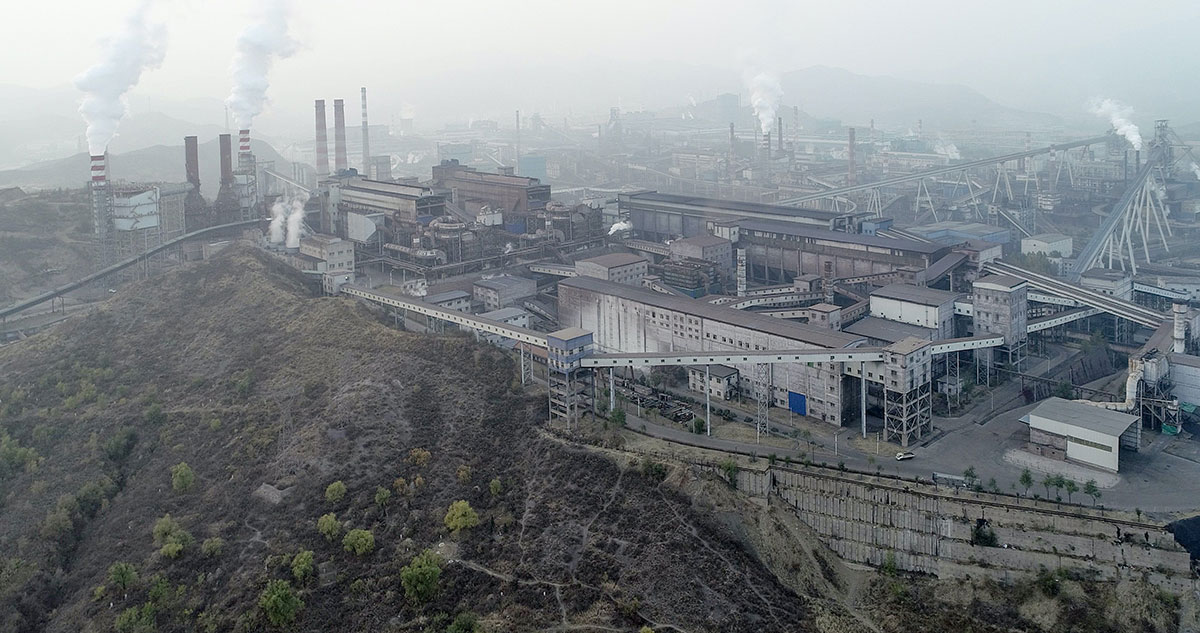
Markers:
point(858, 323)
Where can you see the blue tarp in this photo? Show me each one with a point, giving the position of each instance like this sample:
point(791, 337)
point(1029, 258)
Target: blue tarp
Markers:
point(797, 403)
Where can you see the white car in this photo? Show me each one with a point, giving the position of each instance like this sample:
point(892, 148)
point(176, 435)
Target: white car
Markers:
point(903, 456)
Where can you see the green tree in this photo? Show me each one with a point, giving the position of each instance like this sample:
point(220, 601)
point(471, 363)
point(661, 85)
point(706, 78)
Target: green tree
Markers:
point(495, 487)
point(382, 495)
point(360, 542)
point(464, 474)
point(419, 457)
point(335, 491)
point(302, 565)
point(170, 536)
point(212, 546)
point(1048, 481)
point(730, 470)
point(618, 417)
point(329, 526)
point(155, 414)
point(1092, 490)
point(182, 477)
point(1026, 480)
point(1058, 482)
point(461, 516)
point(122, 576)
point(420, 577)
point(970, 476)
point(1071, 488)
point(463, 623)
point(280, 603)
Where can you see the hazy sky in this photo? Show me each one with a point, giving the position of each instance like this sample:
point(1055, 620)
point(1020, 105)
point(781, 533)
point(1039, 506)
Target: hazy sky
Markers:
point(1025, 53)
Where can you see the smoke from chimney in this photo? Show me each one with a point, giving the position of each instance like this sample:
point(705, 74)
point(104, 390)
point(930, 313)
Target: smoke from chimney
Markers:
point(226, 143)
point(322, 140)
point(366, 144)
point(339, 135)
point(765, 93)
point(278, 218)
point(191, 160)
point(1118, 115)
point(138, 47)
point(258, 46)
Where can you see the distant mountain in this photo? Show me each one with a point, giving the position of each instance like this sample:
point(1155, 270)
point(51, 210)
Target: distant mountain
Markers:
point(856, 99)
point(160, 163)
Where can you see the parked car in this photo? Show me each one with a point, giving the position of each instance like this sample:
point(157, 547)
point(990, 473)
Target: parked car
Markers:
point(903, 456)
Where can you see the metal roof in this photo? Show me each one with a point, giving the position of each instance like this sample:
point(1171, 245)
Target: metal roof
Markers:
point(504, 282)
point(614, 260)
point(1007, 281)
point(504, 313)
point(1083, 416)
point(916, 294)
point(449, 295)
point(732, 206)
point(702, 241)
point(768, 325)
point(888, 331)
point(799, 230)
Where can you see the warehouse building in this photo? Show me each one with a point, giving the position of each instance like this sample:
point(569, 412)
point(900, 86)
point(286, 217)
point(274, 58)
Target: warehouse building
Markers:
point(927, 308)
point(706, 247)
point(503, 291)
point(664, 216)
point(628, 319)
point(1082, 433)
point(722, 381)
point(1054, 244)
point(622, 268)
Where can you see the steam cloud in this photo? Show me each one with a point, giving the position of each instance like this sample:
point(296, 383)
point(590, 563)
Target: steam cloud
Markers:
point(295, 220)
point(278, 218)
point(765, 93)
point(258, 46)
point(138, 47)
point(623, 225)
point(946, 148)
point(1118, 115)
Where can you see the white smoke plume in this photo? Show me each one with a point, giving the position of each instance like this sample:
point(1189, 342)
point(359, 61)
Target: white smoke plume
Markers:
point(1118, 115)
point(623, 225)
point(295, 221)
point(946, 148)
point(138, 47)
point(258, 46)
point(765, 94)
point(278, 218)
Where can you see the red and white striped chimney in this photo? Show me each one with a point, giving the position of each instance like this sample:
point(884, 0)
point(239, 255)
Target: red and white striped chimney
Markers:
point(99, 170)
point(243, 141)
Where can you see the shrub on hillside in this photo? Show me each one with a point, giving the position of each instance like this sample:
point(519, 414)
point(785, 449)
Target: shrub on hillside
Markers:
point(359, 542)
point(461, 516)
point(329, 526)
point(335, 492)
point(182, 477)
point(280, 603)
point(420, 577)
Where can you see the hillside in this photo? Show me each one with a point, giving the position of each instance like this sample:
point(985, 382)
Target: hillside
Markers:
point(166, 462)
point(234, 369)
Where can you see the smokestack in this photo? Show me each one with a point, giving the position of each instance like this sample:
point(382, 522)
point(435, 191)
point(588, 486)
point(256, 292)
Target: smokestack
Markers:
point(366, 144)
point(99, 171)
point(1178, 338)
point(226, 143)
point(191, 160)
point(766, 146)
point(517, 160)
point(827, 281)
point(732, 138)
point(851, 175)
point(779, 134)
point(339, 135)
point(245, 160)
point(322, 141)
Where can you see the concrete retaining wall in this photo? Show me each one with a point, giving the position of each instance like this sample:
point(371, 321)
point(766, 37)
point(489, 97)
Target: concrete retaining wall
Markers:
point(930, 529)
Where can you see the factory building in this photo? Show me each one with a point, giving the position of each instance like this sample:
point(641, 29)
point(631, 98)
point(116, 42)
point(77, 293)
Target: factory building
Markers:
point(722, 381)
point(662, 216)
point(952, 233)
point(706, 247)
point(1107, 281)
point(693, 277)
point(517, 197)
point(627, 319)
point(1000, 305)
point(503, 291)
point(778, 252)
point(400, 204)
point(336, 254)
point(1055, 244)
point(927, 308)
point(1077, 432)
point(451, 300)
point(622, 268)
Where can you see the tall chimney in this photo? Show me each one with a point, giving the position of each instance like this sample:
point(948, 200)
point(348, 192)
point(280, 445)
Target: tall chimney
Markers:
point(827, 281)
point(366, 144)
point(226, 142)
point(339, 135)
point(191, 160)
point(517, 159)
point(851, 176)
point(101, 196)
point(245, 161)
point(322, 141)
point(779, 134)
point(732, 138)
point(1178, 338)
